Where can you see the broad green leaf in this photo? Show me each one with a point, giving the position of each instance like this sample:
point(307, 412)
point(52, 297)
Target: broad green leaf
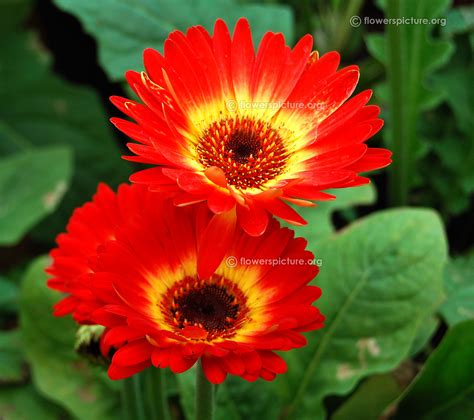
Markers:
point(444, 389)
point(459, 286)
point(23, 402)
point(12, 14)
point(57, 371)
point(453, 82)
point(381, 277)
point(124, 28)
point(370, 400)
point(240, 399)
point(425, 332)
point(32, 184)
point(319, 220)
point(445, 175)
point(459, 20)
point(409, 54)
point(8, 295)
point(39, 109)
point(12, 365)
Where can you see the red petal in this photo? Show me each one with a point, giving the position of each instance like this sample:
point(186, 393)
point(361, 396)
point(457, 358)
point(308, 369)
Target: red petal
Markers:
point(222, 53)
point(151, 176)
point(121, 372)
point(213, 370)
point(195, 183)
point(253, 362)
point(215, 242)
point(65, 306)
point(267, 375)
point(216, 175)
point(254, 219)
point(194, 332)
point(118, 335)
point(161, 358)
point(373, 159)
point(298, 202)
point(154, 63)
point(272, 362)
point(283, 211)
point(233, 364)
point(179, 364)
point(134, 353)
point(242, 59)
point(220, 201)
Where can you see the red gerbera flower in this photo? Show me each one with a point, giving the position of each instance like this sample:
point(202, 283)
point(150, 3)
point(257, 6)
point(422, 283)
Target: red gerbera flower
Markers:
point(248, 131)
point(164, 304)
point(89, 227)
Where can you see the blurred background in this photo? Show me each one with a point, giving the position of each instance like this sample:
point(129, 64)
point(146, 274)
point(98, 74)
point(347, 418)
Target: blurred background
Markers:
point(60, 61)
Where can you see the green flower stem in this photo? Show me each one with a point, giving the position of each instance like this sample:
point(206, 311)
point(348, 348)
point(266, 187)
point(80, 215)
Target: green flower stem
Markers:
point(143, 396)
point(204, 396)
point(139, 400)
point(155, 395)
point(127, 397)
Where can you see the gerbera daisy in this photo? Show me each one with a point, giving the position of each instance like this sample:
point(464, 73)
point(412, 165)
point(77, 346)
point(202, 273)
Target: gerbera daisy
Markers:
point(248, 131)
point(89, 227)
point(166, 303)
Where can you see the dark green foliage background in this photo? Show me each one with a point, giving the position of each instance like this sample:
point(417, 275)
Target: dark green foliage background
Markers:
point(397, 256)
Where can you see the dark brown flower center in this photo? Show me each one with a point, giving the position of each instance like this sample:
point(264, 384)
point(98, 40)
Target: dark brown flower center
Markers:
point(215, 305)
point(211, 307)
point(243, 145)
point(250, 152)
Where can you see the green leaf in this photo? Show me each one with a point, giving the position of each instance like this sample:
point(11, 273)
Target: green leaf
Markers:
point(236, 399)
point(124, 28)
point(459, 286)
point(444, 389)
point(421, 53)
point(8, 295)
point(57, 371)
point(331, 23)
point(425, 332)
point(459, 20)
point(225, 409)
point(453, 81)
point(370, 399)
point(409, 54)
point(39, 109)
point(12, 364)
point(319, 220)
point(445, 175)
point(12, 14)
point(24, 403)
point(381, 278)
point(32, 184)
